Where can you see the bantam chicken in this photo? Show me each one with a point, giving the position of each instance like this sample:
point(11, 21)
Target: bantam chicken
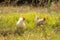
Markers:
point(21, 23)
point(20, 26)
point(39, 21)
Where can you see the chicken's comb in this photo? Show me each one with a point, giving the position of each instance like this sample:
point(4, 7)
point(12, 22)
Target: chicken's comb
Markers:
point(23, 18)
point(44, 18)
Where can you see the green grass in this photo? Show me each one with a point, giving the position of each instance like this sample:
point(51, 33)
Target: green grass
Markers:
point(8, 21)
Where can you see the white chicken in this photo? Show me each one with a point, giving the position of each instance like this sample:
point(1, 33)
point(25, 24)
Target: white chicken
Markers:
point(39, 21)
point(21, 23)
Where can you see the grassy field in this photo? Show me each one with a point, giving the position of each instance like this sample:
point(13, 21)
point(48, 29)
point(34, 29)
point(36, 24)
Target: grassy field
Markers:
point(51, 29)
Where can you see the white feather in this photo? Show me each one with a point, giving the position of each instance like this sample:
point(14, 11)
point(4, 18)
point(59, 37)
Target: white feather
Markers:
point(39, 21)
point(20, 23)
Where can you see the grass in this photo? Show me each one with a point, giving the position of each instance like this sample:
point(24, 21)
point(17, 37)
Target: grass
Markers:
point(8, 21)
